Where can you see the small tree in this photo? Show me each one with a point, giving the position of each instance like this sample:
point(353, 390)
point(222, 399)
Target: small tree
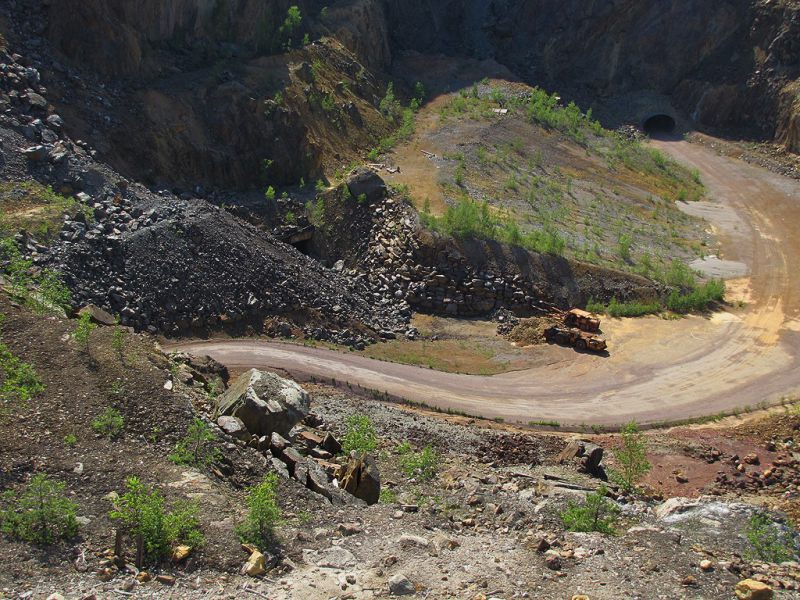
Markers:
point(419, 92)
point(632, 458)
point(390, 106)
point(40, 513)
point(596, 514)
point(118, 341)
point(109, 423)
point(360, 435)
point(141, 511)
point(83, 330)
point(769, 541)
point(197, 447)
point(264, 513)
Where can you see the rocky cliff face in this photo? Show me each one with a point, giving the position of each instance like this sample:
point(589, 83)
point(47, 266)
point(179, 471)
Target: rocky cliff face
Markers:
point(189, 81)
point(134, 39)
point(723, 63)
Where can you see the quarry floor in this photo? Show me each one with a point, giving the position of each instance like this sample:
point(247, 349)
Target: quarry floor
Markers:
point(657, 370)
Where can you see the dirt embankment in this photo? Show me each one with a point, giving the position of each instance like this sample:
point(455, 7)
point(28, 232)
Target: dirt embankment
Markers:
point(496, 493)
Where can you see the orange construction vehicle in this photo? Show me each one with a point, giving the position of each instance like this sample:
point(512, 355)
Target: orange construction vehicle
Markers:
point(571, 336)
point(581, 319)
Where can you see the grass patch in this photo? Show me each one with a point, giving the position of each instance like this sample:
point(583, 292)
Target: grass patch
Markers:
point(470, 219)
point(451, 356)
point(697, 299)
point(42, 291)
point(618, 309)
point(554, 424)
point(35, 208)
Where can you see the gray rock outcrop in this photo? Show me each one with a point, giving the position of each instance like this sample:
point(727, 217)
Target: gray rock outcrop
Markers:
point(265, 403)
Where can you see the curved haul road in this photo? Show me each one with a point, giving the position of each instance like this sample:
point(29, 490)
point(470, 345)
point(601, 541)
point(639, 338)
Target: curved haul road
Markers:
point(658, 370)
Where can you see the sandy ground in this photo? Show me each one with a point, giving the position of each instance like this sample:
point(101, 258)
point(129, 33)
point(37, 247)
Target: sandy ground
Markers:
point(658, 370)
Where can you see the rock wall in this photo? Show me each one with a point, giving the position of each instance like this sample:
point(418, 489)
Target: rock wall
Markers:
point(187, 82)
point(119, 38)
point(723, 63)
point(400, 261)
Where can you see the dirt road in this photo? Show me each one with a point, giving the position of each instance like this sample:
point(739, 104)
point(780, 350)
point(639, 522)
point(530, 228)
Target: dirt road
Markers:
point(659, 370)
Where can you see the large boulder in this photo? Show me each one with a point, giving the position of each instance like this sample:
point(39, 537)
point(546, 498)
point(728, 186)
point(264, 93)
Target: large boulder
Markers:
point(365, 182)
point(749, 589)
point(265, 403)
point(362, 479)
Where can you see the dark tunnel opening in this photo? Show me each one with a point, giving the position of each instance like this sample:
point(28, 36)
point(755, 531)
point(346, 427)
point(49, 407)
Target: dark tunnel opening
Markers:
point(305, 246)
point(659, 125)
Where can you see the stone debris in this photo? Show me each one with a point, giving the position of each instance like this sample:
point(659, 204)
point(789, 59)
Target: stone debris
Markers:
point(264, 402)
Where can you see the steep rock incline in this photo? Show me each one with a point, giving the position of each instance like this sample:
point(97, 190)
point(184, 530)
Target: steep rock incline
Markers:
point(200, 93)
point(161, 262)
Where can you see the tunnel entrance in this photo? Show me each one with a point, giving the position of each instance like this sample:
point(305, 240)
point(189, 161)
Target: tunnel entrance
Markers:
point(305, 246)
point(659, 125)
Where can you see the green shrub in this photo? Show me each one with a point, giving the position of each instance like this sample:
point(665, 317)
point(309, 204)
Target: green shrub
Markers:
point(39, 513)
point(20, 382)
point(83, 330)
point(632, 458)
point(388, 496)
point(597, 513)
point(389, 105)
point(625, 243)
point(15, 267)
point(141, 511)
point(263, 515)
point(422, 465)
point(109, 423)
point(269, 194)
point(769, 541)
point(318, 210)
point(197, 447)
point(70, 440)
point(291, 24)
point(697, 299)
point(544, 108)
point(360, 435)
point(679, 275)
